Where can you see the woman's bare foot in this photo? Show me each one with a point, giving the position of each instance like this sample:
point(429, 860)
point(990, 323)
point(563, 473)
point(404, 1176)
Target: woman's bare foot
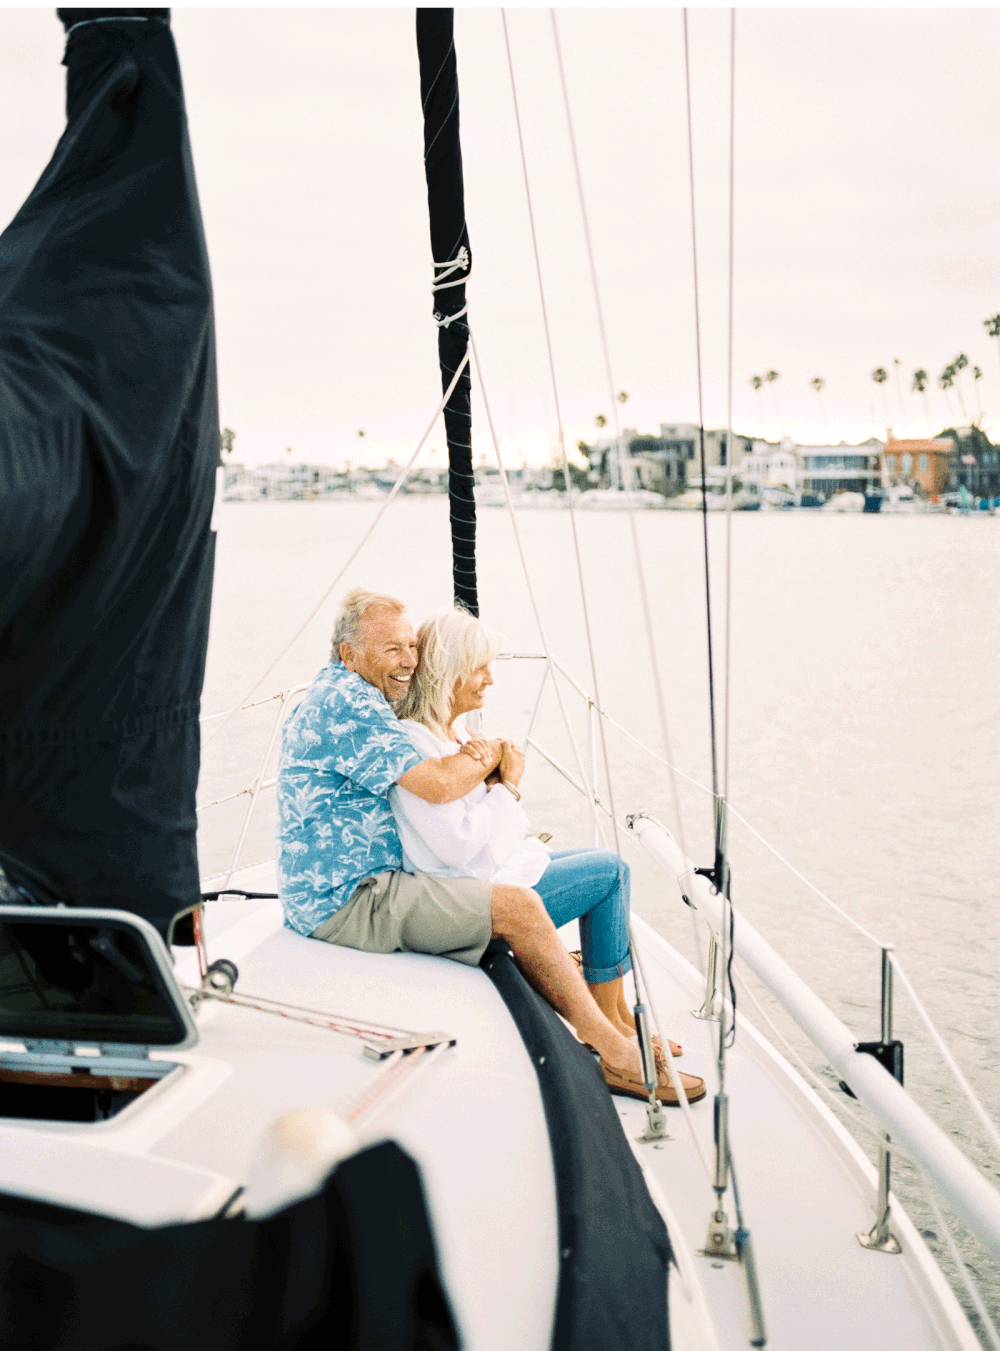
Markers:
point(609, 997)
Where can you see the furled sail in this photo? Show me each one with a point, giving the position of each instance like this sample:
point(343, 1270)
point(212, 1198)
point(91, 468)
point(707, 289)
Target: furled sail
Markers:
point(109, 445)
point(452, 265)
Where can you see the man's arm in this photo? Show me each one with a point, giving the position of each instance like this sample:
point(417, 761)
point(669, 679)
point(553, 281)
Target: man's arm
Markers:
point(452, 776)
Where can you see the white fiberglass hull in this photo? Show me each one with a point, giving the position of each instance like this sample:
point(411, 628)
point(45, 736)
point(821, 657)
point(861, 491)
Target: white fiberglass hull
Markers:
point(474, 1123)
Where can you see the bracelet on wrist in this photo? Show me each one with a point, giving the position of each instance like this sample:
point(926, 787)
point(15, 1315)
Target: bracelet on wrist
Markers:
point(511, 789)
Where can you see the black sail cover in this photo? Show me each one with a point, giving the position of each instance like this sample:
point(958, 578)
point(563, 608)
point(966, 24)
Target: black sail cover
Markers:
point(109, 444)
point(614, 1249)
point(452, 265)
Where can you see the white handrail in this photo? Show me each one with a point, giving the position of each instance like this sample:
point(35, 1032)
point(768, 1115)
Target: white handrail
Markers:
point(970, 1196)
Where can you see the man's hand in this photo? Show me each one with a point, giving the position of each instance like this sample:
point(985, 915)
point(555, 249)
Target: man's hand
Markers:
point(486, 752)
point(511, 763)
point(453, 776)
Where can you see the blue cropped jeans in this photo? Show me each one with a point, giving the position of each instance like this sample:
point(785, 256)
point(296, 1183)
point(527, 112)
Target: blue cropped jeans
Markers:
point(591, 885)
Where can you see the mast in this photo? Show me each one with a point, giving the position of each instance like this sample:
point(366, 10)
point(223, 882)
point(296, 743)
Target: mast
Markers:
point(452, 265)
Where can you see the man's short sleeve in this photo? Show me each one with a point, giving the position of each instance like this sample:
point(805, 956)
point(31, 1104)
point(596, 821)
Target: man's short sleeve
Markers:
point(372, 749)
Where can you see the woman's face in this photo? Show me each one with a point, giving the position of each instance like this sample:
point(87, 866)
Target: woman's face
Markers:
point(470, 693)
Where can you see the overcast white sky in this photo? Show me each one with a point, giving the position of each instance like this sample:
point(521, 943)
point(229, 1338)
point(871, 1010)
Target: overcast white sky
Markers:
point(867, 213)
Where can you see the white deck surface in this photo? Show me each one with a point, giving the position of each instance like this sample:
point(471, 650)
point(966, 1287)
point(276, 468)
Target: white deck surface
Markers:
point(474, 1123)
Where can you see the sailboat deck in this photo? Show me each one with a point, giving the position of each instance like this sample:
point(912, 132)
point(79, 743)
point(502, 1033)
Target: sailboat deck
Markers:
point(473, 1121)
point(806, 1190)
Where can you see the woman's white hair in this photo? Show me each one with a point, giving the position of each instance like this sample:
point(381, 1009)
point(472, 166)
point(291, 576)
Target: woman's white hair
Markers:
point(452, 644)
point(353, 607)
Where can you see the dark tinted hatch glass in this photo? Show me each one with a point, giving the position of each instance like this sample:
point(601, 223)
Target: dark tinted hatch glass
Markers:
point(82, 981)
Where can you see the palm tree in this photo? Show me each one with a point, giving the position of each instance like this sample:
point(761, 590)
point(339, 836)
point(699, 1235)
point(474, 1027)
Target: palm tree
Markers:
point(920, 379)
point(771, 377)
point(992, 327)
point(758, 384)
point(959, 365)
point(946, 380)
point(818, 384)
point(880, 375)
point(977, 375)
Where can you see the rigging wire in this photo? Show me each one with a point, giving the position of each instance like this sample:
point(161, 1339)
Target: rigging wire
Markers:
point(591, 791)
point(720, 866)
point(956, 1257)
point(641, 985)
point(360, 545)
point(732, 811)
point(723, 879)
point(647, 615)
point(701, 410)
point(947, 1056)
point(637, 965)
point(838, 1100)
point(729, 408)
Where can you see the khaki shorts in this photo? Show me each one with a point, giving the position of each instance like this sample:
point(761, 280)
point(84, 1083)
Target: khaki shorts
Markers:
point(411, 912)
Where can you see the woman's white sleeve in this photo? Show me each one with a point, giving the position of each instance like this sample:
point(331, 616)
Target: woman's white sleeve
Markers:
point(452, 834)
point(456, 832)
point(508, 824)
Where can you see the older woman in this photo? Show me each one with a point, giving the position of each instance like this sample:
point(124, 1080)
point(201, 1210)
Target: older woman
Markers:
point(484, 834)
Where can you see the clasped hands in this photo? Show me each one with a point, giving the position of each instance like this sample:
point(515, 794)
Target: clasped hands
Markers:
point(504, 759)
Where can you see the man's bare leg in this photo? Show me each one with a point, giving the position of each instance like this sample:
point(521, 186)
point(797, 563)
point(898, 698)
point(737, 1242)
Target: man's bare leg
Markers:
point(520, 919)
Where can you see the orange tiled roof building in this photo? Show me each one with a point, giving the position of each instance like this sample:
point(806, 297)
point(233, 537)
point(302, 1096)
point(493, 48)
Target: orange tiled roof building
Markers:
point(923, 462)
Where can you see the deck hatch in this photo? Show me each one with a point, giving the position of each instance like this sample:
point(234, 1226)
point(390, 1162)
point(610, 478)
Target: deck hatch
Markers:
point(80, 978)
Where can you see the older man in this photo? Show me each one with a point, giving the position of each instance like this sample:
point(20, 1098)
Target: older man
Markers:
point(340, 861)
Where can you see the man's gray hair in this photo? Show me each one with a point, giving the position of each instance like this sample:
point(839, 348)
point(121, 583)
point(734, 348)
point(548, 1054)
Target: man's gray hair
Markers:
point(353, 607)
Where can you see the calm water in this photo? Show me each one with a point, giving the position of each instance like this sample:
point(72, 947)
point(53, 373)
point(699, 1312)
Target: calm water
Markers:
point(864, 717)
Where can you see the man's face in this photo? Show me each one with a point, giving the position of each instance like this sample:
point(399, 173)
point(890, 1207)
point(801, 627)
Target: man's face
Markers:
point(386, 655)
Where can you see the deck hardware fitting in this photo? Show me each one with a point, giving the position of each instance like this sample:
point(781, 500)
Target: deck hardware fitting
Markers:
point(880, 1238)
point(221, 976)
point(382, 1049)
point(721, 1241)
point(711, 1008)
point(656, 1126)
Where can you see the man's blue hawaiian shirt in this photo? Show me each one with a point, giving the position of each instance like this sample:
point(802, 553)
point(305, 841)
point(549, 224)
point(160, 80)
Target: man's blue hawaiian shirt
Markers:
point(342, 750)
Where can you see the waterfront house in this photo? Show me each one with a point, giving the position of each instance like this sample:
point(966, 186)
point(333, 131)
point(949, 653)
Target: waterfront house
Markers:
point(924, 463)
point(770, 466)
point(825, 470)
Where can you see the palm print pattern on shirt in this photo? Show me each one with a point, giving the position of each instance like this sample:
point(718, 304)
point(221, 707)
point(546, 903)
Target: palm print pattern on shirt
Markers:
point(342, 750)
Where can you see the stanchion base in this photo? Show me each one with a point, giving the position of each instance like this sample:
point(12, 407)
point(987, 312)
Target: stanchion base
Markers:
point(873, 1243)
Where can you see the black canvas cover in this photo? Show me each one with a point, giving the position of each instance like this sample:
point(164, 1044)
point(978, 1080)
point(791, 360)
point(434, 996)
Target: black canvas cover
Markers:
point(452, 265)
point(108, 449)
point(353, 1268)
point(614, 1249)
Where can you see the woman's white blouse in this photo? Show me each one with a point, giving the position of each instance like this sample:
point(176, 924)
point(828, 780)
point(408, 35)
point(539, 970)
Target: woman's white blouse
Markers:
point(479, 835)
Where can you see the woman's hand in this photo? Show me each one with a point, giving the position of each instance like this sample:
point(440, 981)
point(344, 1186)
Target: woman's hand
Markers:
point(511, 763)
point(486, 752)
